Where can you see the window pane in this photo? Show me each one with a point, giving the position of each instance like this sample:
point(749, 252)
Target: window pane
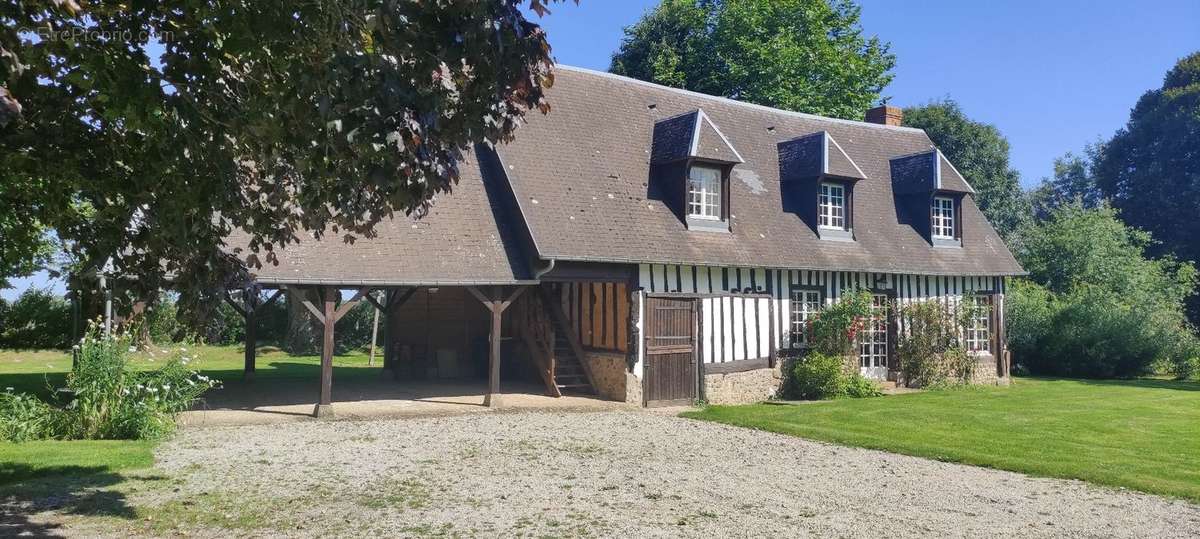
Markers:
point(704, 192)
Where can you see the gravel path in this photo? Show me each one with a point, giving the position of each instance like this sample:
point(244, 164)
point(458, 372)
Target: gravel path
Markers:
point(612, 474)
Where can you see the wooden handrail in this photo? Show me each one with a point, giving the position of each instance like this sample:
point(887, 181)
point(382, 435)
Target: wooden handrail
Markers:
point(560, 321)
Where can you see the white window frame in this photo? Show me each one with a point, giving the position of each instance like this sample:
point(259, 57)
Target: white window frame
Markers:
point(942, 216)
point(705, 194)
point(831, 206)
point(873, 339)
point(978, 330)
point(806, 303)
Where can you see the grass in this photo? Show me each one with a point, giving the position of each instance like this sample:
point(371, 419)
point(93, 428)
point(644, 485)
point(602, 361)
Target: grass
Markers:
point(37, 371)
point(40, 459)
point(1139, 434)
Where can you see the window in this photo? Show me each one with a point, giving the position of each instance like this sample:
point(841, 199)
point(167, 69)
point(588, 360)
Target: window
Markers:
point(832, 206)
point(943, 218)
point(704, 193)
point(805, 305)
point(979, 324)
point(873, 339)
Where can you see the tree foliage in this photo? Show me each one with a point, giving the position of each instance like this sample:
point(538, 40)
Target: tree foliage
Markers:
point(1151, 167)
point(1074, 180)
point(1100, 307)
point(803, 55)
point(980, 152)
point(37, 319)
point(150, 131)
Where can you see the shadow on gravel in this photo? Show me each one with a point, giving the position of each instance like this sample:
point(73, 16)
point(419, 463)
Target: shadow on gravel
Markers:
point(67, 490)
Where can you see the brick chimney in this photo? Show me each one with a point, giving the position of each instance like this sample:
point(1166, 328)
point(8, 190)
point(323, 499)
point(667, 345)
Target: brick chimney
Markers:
point(886, 115)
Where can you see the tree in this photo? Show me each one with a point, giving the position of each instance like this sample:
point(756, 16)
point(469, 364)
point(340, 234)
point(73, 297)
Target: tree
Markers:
point(1097, 305)
point(1073, 180)
point(803, 55)
point(980, 152)
point(1151, 167)
point(150, 131)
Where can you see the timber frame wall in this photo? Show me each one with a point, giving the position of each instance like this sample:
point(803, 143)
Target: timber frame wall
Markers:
point(729, 287)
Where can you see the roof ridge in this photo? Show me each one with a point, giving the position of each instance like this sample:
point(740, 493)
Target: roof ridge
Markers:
point(736, 102)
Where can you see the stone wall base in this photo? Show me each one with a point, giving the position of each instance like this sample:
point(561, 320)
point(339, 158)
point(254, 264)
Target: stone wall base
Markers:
point(611, 379)
point(746, 387)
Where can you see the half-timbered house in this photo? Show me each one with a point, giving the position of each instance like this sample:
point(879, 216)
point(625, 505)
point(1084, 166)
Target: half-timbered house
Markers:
point(654, 245)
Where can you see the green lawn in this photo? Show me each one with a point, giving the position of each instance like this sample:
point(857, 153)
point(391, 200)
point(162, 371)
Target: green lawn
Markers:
point(95, 458)
point(38, 370)
point(1142, 434)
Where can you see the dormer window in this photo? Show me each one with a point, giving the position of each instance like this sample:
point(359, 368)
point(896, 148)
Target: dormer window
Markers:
point(704, 193)
point(943, 218)
point(831, 209)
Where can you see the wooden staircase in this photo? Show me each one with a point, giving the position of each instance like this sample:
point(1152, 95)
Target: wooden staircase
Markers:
point(543, 327)
point(569, 373)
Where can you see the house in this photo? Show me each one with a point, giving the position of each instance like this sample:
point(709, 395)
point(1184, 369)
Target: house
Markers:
point(660, 246)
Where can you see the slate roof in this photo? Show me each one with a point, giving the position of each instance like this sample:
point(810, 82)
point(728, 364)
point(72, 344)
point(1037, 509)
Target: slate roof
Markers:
point(690, 135)
point(813, 155)
point(581, 178)
point(468, 237)
point(926, 172)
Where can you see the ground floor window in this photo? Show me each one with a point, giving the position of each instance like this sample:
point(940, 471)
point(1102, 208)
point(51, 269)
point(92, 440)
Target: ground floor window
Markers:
point(978, 331)
point(805, 305)
point(873, 340)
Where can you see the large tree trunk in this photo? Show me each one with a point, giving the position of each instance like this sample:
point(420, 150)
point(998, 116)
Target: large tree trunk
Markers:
point(304, 333)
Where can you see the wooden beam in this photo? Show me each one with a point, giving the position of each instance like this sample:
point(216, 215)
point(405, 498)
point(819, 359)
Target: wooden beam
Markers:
point(486, 301)
point(349, 304)
point(311, 308)
point(271, 299)
point(512, 297)
point(236, 307)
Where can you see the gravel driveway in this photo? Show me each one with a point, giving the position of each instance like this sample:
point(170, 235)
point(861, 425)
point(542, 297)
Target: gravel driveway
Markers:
point(612, 474)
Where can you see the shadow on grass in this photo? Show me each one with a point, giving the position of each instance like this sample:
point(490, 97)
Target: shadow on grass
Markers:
point(1142, 383)
point(72, 490)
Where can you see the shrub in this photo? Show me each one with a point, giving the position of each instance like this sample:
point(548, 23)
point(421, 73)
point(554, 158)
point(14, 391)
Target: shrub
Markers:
point(835, 329)
point(818, 376)
point(38, 319)
point(930, 351)
point(1102, 308)
point(859, 386)
point(107, 399)
point(162, 321)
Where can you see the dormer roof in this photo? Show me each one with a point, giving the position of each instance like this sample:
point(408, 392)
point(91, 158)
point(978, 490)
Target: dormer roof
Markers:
point(926, 172)
point(816, 155)
point(691, 135)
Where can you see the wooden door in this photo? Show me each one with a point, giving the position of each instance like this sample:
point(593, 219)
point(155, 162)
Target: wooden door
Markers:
point(670, 371)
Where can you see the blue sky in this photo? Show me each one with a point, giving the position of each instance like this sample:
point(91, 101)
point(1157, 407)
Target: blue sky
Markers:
point(1053, 76)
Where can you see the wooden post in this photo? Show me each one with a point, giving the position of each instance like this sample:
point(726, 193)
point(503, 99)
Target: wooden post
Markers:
point(325, 404)
point(492, 399)
point(497, 307)
point(251, 335)
point(374, 336)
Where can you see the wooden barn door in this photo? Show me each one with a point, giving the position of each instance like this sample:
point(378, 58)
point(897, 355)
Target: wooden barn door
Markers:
point(670, 351)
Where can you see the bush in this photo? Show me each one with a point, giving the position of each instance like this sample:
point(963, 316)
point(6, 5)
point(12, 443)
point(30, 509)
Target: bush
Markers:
point(1102, 308)
point(38, 319)
point(818, 376)
point(162, 321)
point(930, 351)
point(1094, 333)
point(107, 399)
point(859, 386)
point(835, 329)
